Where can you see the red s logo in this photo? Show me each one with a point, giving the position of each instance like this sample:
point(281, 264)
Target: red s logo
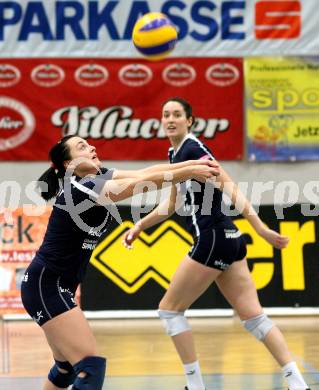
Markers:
point(279, 19)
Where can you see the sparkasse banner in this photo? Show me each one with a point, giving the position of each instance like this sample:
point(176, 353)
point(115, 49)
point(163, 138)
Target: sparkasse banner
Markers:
point(207, 28)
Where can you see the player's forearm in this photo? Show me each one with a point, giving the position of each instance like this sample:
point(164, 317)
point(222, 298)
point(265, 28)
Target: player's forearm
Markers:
point(239, 200)
point(119, 189)
point(162, 212)
point(173, 176)
point(249, 212)
point(165, 167)
point(121, 174)
point(158, 215)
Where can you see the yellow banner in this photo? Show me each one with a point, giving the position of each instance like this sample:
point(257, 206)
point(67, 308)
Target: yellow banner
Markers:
point(282, 106)
point(288, 275)
point(157, 255)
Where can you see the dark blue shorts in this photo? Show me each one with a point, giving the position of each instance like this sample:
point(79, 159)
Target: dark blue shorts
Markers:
point(46, 294)
point(218, 247)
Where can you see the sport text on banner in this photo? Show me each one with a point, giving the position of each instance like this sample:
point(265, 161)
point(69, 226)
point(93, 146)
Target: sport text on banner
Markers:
point(282, 105)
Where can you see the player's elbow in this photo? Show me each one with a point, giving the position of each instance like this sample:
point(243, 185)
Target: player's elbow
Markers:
point(117, 190)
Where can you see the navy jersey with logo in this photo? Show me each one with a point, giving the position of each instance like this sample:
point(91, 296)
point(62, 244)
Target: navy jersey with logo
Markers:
point(75, 226)
point(202, 202)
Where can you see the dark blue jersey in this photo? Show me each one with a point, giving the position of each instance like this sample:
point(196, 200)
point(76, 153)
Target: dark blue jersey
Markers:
point(202, 202)
point(75, 226)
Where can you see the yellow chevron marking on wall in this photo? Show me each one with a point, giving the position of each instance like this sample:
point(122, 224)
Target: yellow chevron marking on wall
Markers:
point(155, 256)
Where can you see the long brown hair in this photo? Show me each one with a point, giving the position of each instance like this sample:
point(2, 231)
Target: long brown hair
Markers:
point(48, 182)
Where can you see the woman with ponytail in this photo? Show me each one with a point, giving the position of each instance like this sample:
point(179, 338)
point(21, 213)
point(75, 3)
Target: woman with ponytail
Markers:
point(80, 215)
point(218, 254)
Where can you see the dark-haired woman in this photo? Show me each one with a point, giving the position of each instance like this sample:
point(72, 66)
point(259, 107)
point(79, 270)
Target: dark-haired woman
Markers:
point(79, 217)
point(218, 254)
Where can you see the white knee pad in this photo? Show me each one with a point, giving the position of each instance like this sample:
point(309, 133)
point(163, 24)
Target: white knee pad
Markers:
point(259, 326)
point(174, 322)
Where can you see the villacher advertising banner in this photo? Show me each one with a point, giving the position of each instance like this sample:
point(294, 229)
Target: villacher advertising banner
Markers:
point(116, 105)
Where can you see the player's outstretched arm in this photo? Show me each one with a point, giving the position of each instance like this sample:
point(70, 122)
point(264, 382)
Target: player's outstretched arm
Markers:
point(162, 212)
point(119, 189)
point(160, 168)
point(243, 205)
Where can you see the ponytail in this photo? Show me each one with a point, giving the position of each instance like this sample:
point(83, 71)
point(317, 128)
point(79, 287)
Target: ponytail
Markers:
point(49, 183)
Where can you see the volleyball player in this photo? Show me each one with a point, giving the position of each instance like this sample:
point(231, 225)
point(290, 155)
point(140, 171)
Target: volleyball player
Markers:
point(218, 254)
point(80, 215)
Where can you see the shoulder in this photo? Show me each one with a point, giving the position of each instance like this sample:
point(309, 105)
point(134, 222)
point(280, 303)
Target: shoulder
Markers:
point(105, 173)
point(88, 187)
point(93, 185)
point(194, 149)
point(82, 189)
